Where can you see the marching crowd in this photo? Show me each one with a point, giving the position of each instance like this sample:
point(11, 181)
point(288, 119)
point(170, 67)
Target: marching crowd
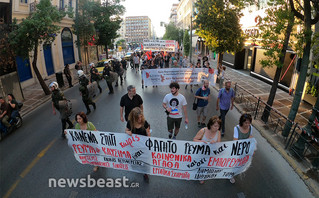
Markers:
point(174, 103)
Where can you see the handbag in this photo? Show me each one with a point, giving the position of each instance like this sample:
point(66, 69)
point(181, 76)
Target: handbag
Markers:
point(194, 104)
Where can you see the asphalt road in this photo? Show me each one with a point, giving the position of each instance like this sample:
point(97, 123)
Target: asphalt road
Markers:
point(36, 152)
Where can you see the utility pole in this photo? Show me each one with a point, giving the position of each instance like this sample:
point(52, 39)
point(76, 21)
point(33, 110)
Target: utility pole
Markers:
point(77, 28)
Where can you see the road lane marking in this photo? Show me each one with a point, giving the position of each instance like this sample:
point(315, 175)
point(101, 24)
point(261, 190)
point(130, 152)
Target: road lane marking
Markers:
point(28, 168)
point(33, 163)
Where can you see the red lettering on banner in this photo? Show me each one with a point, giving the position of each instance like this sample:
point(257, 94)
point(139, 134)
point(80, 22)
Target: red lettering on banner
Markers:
point(130, 141)
point(120, 166)
point(228, 162)
point(116, 153)
point(81, 148)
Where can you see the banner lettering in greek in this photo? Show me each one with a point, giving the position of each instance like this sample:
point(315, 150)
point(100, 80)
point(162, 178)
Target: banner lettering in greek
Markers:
point(162, 157)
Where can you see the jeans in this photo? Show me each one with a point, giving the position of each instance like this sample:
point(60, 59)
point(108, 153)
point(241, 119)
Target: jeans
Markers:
point(14, 114)
point(222, 117)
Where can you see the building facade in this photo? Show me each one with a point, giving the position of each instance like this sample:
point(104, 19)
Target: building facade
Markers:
point(173, 15)
point(53, 57)
point(137, 28)
point(184, 13)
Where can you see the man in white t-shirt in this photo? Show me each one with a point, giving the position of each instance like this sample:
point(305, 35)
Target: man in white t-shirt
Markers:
point(173, 103)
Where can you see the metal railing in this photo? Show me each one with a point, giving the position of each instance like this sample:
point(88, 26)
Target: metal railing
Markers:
point(303, 145)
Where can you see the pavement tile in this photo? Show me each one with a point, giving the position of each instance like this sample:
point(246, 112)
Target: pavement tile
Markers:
point(285, 101)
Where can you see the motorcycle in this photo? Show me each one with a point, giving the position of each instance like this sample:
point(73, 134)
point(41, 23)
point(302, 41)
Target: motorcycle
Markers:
point(15, 123)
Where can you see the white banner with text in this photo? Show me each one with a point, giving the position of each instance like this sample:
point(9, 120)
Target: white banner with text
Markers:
point(180, 75)
point(162, 157)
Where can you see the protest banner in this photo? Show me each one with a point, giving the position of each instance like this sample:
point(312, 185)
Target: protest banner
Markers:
point(162, 157)
point(180, 75)
point(160, 45)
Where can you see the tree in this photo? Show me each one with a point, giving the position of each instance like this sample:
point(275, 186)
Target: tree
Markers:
point(218, 23)
point(83, 25)
point(107, 21)
point(186, 43)
point(275, 30)
point(309, 14)
point(38, 28)
point(173, 33)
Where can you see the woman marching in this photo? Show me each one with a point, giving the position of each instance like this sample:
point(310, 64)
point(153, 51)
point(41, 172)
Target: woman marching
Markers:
point(137, 124)
point(209, 134)
point(242, 131)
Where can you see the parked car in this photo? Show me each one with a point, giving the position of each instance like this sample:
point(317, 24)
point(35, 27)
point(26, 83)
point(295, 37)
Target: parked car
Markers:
point(128, 56)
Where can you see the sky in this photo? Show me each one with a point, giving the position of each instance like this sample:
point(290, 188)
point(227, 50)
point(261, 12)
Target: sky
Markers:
point(157, 10)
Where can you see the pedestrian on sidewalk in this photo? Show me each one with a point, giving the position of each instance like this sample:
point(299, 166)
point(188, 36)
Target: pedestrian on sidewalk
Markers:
point(243, 131)
point(84, 124)
point(13, 105)
point(124, 65)
point(202, 95)
point(222, 77)
point(225, 101)
point(67, 74)
point(137, 124)
point(129, 101)
point(87, 100)
point(173, 104)
point(209, 134)
point(57, 96)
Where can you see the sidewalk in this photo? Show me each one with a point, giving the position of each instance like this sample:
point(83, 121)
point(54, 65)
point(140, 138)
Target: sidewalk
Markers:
point(282, 103)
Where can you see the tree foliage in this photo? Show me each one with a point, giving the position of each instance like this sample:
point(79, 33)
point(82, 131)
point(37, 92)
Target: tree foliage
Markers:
point(218, 23)
point(173, 33)
point(107, 21)
point(273, 32)
point(38, 28)
point(186, 43)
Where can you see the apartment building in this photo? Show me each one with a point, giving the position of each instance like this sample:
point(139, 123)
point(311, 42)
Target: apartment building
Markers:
point(137, 28)
point(173, 15)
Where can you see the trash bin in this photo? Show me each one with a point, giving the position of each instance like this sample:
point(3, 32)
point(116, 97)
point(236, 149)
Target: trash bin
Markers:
point(59, 79)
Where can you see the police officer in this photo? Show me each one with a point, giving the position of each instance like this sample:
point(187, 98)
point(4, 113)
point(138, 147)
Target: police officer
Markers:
point(57, 95)
point(107, 76)
point(95, 76)
point(87, 100)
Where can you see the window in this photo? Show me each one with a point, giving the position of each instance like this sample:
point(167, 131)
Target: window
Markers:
point(24, 1)
point(61, 4)
point(70, 3)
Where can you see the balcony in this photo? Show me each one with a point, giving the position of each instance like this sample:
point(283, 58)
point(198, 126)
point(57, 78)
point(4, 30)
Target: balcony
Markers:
point(33, 7)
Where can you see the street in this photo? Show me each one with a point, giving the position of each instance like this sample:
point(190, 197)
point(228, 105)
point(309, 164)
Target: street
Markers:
point(36, 152)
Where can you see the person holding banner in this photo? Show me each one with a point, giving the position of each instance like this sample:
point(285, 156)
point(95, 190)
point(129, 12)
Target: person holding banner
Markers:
point(137, 124)
point(243, 131)
point(209, 134)
point(173, 103)
point(84, 124)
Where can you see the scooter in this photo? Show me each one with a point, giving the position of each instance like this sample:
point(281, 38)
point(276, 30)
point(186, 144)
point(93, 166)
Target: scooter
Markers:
point(15, 123)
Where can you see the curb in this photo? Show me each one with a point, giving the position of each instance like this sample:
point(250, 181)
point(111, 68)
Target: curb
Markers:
point(314, 189)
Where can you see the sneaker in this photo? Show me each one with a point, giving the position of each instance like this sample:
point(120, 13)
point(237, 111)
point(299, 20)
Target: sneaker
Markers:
point(198, 124)
point(174, 137)
point(232, 180)
point(146, 178)
point(223, 134)
point(142, 86)
point(169, 136)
